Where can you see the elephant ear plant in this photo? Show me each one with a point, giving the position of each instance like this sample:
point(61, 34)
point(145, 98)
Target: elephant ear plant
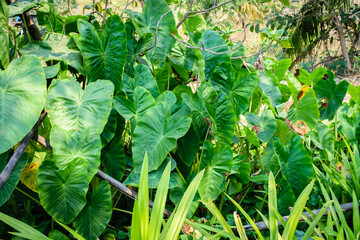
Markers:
point(141, 228)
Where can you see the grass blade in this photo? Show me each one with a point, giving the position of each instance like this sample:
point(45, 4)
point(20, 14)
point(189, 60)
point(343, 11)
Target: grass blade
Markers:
point(25, 230)
point(143, 200)
point(240, 226)
point(246, 216)
point(273, 223)
point(182, 209)
point(159, 203)
point(215, 211)
point(315, 221)
point(295, 214)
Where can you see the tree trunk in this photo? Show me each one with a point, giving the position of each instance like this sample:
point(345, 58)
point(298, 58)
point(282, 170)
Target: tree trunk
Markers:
point(344, 50)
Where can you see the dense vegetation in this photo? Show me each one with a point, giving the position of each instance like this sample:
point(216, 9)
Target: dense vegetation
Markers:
point(151, 125)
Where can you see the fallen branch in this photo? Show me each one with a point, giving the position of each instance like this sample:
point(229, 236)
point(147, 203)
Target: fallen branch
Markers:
point(262, 225)
point(113, 182)
point(10, 166)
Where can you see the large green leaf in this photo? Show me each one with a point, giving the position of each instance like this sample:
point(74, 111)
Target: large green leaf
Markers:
point(211, 39)
point(113, 158)
point(95, 216)
point(188, 146)
point(55, 47)
point(18, 7)
point(305, 110)
point(143, 78)
point(333, 94)
point(147, 21)
point(216, 163)
point(310, 79)
point(72, 108)
point(265, 126)
point(4, 34)
point(324, 137)
point(71, 145)
point(269, 87)
point(110, 128)
point(296, 165)
point(194, 25)
point(156, 133)
point(63, 192)
point(196, 103)
point(13, 180)
point(104, 53)
point(47, 16)
point(223, 118)
point(22, 98)
point(238, 85)
point(132, 111)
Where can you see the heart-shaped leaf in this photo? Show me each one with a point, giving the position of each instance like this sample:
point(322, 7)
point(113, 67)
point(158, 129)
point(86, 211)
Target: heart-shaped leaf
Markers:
point(113, 158)
point(143, 78)
point(223, 118)
point(296, 165)
point(265, 126)
point(72, 108)
point(211, 39)
point(147, 22)
point(306, 109)
point(95, 216)
point(132, 111)
point(71, 145)
point(22, 98)
point(216, 163)
point(63, 192)
point(156, 133)
point(18, 7)
point(331, 95)
point(104, 54)
point(238, 85)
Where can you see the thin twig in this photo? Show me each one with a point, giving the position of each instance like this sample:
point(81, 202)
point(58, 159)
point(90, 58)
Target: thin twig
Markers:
point(100, 14)
point(113, 182)
point(69, 7)
point(186, 14)
point(106, 5)
point(190, 14)
point(253, 54)
point(196, 13)
point(202, 48)
point(10, 166)
point(157, 29)
point(126, 7)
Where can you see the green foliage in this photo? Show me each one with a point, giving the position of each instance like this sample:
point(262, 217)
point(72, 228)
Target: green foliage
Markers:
point(23, 93)
point(184, 113)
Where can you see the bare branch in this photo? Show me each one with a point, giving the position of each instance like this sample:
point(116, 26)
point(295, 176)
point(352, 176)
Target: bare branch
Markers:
point(113, 182)
point(100, 14)
point(196, 13)
point(157, 29)
point(10, 166)
point(69, 7)
point(186, 14)
point(106, 5)
point(202, 48)
point(126, 7)
point(253, 54)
